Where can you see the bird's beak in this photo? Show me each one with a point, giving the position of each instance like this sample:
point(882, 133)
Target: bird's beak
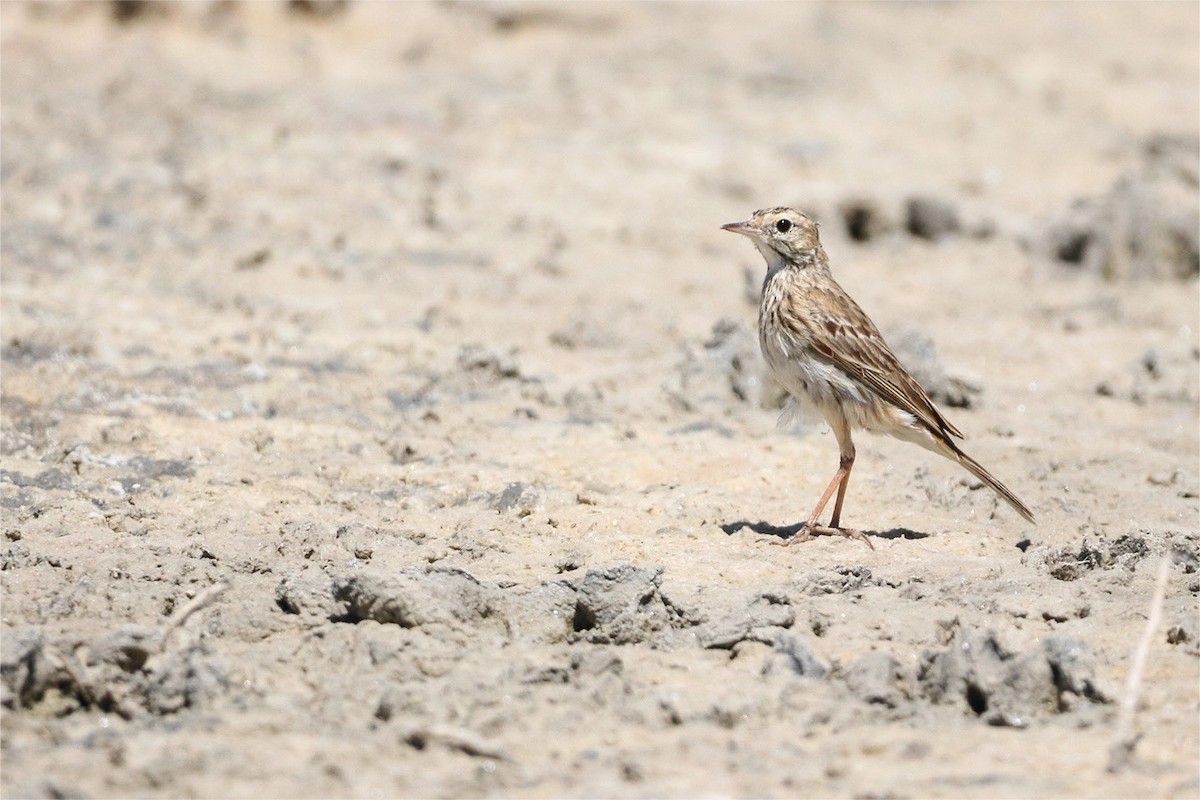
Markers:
point(744, 228)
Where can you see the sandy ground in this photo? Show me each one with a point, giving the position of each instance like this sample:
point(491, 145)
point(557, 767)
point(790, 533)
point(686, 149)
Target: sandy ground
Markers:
point(382, 414)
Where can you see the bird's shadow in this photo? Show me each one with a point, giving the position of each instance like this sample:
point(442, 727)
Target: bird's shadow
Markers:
point(788, 531)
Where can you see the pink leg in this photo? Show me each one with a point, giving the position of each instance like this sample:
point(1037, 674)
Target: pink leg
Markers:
point(846, 466)
point(841, 479)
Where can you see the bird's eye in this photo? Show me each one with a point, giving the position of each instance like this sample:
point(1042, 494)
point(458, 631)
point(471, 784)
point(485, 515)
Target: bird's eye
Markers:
point(783, 225)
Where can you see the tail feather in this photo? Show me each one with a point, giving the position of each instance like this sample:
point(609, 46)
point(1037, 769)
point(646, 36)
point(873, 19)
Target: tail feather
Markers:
point(945, 447)
point(976, 469)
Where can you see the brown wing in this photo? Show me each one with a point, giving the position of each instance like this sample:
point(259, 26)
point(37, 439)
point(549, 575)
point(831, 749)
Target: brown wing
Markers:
point(848, 338)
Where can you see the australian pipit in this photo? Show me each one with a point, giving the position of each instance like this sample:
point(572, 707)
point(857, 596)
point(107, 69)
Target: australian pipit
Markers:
point(822, 348)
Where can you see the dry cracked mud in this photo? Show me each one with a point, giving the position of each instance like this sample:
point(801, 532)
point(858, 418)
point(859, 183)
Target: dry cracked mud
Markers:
point(382, 413)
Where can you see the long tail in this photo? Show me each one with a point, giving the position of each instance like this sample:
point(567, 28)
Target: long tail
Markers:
point(976, 469)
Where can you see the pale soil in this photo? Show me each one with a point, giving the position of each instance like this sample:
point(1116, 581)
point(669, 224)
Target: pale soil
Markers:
point(406, 324)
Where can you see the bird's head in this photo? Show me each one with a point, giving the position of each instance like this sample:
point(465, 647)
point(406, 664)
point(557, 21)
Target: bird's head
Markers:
point(780, 233)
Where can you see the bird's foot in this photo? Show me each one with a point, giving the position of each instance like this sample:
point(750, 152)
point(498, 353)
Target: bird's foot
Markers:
point(810, 529)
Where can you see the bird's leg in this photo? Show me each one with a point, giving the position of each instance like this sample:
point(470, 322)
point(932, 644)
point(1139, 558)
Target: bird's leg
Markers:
point(840, 480)
point(846, 464)
point(811, 526)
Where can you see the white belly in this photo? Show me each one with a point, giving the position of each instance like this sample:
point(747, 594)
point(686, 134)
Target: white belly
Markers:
point(820, 387)
point(808, 377)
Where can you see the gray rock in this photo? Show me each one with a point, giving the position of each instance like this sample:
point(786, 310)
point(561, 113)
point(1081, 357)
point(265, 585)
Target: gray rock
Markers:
point(866, 219)
point(129, 647)
point(763, 619)
point(308, 592)
point(417, 598)
point(185, 678)
point(930, 217)
point(18, 556)
point(976, 673)
point(1072, 563)
point(358, 539)
point(484, 365)
point(792, 655)
point(544, 614)
point(125, 672)
point(1071, 669)
point(620, 605)
point(520, 498)
point(23, 671)
point(153, 469)
point(839, 580)
point(877, 678)
point(1144, 226)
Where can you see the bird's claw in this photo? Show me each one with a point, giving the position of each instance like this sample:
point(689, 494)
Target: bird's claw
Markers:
point(810, 530)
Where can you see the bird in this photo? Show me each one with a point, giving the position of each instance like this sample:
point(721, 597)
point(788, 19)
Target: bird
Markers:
point(822, 348)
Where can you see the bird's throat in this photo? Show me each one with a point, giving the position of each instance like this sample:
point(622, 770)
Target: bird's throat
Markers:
point(777, 261)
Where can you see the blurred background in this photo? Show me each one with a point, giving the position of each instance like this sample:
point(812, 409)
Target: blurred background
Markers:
point(575, 159)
